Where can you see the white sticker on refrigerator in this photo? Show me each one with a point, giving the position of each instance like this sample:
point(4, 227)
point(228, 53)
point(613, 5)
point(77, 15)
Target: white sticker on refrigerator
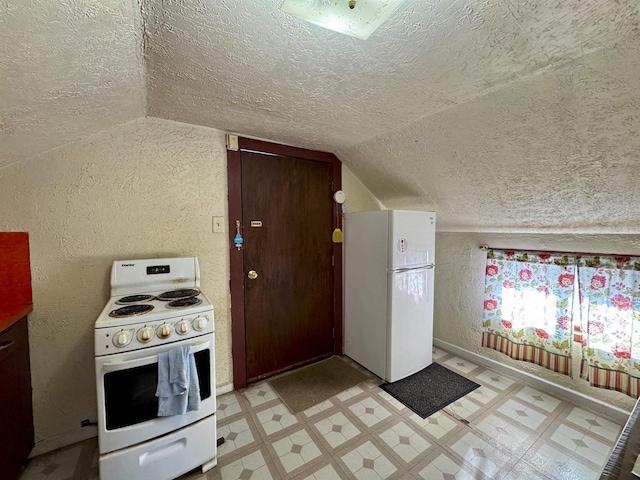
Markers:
point(402, 245)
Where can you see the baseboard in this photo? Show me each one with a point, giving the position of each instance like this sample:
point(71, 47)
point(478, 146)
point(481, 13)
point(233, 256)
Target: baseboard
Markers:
point(559, 391)
point(221, 390)
point(80, 435)
point(64, 440)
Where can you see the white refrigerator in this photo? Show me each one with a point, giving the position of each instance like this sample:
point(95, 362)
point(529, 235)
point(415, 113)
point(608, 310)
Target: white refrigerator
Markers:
point(389, 267)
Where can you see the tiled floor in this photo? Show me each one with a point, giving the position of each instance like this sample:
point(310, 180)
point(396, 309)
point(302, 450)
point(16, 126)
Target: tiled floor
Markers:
point(503, 430)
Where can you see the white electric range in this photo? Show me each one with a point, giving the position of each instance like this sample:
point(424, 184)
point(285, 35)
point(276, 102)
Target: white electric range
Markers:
point(155, 305)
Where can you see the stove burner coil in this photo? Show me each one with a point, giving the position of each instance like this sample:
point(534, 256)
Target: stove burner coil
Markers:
point(178, 294)
point(130, 310)
point(134, 299)
point(184, 302)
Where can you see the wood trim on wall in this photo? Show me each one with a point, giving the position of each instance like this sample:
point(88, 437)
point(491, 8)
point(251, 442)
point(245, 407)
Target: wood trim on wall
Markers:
point(236, 260)
point(236, 264)
point(337, 264)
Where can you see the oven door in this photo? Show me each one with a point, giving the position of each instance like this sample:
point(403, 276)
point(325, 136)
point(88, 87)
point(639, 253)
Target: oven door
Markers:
point(127, 402)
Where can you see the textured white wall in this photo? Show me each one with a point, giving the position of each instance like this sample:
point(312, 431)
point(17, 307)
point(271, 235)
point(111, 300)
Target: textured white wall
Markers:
point(459, 291)
point(147, 188)
point(359, 198)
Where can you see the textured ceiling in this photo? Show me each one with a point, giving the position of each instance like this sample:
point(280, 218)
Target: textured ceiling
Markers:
point(498, 114)
point(246, 66)
point(559, 151)
point(68, 68)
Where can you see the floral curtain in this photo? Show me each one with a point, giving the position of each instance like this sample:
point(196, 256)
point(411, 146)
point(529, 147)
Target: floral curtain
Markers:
point(527, 307)
point(610, 322)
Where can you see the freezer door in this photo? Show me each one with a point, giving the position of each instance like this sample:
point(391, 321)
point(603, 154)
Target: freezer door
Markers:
point(410, 339)
point(411, 239)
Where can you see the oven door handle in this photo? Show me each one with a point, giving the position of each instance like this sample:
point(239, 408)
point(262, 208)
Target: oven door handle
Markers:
point(141, 362)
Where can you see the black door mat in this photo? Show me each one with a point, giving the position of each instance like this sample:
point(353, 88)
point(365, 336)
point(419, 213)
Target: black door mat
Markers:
point(429, 390)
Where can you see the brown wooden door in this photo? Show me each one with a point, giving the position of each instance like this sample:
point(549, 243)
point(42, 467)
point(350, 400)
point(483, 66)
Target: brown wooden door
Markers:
point(289, 307)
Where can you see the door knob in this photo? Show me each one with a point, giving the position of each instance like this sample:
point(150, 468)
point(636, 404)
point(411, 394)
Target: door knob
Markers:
point(252, 275)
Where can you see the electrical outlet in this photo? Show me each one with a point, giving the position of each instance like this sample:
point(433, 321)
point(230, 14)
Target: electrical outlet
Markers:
point(218, 224)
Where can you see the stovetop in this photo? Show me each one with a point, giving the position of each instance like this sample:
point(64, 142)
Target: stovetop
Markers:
point(139, 304)
point(150, 308)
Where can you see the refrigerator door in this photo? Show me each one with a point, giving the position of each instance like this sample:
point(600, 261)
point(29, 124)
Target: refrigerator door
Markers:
point(411, 239)
point(410, 338)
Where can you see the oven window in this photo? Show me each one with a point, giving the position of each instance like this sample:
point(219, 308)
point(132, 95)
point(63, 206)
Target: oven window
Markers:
point(130, 395)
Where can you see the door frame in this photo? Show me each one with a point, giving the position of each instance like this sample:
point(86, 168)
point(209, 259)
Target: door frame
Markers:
point(236, 257)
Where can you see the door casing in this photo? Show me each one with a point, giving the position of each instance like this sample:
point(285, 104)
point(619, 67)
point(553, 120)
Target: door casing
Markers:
point(236, 257)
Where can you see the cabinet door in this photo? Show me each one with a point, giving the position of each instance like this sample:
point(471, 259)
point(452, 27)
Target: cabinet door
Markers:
point(16, 420)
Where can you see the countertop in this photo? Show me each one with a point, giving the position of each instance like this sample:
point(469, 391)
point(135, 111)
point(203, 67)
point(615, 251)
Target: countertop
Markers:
point(10, 314)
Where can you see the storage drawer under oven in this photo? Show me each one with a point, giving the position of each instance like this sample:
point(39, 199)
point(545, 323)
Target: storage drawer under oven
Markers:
point(163, 458)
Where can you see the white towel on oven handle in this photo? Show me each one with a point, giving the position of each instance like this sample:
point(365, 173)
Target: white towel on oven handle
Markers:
point(179, 370)
point(194, 402)
point(178, 388)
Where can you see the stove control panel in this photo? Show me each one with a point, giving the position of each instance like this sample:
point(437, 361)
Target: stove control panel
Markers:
point(115, 339)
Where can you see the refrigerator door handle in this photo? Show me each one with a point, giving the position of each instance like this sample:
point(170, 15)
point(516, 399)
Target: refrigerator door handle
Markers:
point(408, 269)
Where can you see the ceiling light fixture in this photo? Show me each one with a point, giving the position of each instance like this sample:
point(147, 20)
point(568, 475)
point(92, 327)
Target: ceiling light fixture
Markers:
point(357, 18)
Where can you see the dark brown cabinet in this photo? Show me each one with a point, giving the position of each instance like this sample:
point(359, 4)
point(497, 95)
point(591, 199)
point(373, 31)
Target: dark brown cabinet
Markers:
point(16, 415)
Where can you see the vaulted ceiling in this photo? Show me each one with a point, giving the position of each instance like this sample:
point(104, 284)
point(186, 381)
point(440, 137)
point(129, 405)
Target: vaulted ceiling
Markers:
point(498, 114)
point(68, 69)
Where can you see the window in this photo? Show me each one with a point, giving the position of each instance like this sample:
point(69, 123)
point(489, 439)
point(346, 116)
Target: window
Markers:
point(610, 322)
point(531, 304)
point(528, 307)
